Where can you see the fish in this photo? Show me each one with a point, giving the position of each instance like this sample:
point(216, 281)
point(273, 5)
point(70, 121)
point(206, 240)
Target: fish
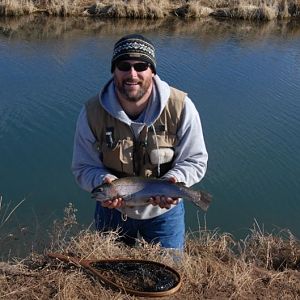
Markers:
point(136, 191)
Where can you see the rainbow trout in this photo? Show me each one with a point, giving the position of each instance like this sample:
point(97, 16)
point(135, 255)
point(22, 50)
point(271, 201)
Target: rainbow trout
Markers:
point(136, 191)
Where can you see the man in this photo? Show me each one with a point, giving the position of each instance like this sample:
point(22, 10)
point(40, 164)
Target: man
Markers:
point(139, 126)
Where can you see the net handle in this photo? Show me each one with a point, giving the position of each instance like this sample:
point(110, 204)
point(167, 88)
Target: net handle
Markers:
point(86, 264)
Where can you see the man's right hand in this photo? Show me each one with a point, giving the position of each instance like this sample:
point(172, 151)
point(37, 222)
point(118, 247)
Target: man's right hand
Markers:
point(112, 203)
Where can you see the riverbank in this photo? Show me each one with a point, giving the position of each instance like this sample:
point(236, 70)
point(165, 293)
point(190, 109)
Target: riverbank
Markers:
point(213, 266)
point(156, 9)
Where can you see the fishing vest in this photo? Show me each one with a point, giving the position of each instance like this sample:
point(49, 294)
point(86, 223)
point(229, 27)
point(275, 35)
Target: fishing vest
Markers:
point(149, 155)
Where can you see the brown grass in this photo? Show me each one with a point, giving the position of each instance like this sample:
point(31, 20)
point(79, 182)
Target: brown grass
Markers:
point(156, 9)
point(213, 266)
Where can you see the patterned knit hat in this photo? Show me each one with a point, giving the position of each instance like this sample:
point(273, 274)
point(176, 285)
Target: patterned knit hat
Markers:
point(134, 47)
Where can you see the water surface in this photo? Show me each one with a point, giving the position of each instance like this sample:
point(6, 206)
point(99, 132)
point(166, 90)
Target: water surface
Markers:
point(243, 78)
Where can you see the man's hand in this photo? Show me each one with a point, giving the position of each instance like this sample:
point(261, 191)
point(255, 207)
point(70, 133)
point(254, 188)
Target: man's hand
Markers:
point(112, 203)
point(165, 202)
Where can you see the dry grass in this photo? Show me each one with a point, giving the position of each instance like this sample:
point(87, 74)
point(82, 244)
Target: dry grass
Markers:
point(156, 9)
point(213, 266)
point(272, 252)
point(6, 212)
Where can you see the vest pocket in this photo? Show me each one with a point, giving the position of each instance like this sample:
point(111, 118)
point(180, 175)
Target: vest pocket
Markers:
point(160, 150)
point(161, 155)
point(163, 140)
point(119, 158)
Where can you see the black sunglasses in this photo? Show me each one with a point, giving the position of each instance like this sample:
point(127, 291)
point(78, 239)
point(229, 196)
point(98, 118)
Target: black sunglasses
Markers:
point(126, 66)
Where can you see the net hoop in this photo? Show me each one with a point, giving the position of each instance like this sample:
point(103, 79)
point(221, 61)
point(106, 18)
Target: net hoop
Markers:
point(86, 263)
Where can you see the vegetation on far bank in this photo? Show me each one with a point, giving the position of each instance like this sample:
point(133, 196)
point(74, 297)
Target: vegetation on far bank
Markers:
point(213, 266)
point(156, 9)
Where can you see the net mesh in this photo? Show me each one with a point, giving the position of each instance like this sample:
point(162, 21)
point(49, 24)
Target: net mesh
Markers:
point(138, 276)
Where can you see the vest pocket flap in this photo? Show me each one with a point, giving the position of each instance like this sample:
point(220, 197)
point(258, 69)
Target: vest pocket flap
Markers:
point(164, 140)
point(119, 157)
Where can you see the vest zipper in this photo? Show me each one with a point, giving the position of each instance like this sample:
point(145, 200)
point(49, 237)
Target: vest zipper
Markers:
point(133, 153)
point(136, 161)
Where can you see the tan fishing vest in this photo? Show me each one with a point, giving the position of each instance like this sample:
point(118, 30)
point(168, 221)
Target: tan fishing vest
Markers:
point(125, 155)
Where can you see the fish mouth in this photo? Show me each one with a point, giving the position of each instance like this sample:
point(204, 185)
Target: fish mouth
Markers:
point(99, 197)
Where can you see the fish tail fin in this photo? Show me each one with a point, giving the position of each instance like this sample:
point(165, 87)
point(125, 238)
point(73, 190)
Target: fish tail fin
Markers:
point(205, 200)
point(201, 199)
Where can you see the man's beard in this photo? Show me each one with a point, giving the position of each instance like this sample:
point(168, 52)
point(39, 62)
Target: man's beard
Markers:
point(130, 95)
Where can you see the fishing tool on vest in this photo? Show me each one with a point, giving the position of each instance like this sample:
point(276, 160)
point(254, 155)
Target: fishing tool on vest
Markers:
point(142, 278)
point(109, 137)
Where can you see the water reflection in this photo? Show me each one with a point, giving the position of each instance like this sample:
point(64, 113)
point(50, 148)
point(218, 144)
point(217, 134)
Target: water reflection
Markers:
point(213, 30)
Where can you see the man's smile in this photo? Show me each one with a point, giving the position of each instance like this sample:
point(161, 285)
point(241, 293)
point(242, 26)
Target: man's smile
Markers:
point(131, 84)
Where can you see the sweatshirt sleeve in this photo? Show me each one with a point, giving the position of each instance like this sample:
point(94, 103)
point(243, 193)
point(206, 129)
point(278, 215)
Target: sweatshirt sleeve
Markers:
point(190, 153)
point(86, 166)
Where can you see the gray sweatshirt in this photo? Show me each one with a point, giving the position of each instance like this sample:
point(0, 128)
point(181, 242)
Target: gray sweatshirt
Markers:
point(190, 161)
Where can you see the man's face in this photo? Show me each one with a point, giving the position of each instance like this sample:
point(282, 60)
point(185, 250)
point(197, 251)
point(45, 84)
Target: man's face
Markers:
point(132, 79)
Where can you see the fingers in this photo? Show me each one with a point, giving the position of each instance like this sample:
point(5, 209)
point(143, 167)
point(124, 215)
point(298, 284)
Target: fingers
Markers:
point(172, 179)
point(108, 180)
point(113, 203)
point(154, 200)
point(163, 202)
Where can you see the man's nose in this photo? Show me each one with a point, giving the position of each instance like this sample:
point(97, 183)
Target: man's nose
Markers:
point(132, 70)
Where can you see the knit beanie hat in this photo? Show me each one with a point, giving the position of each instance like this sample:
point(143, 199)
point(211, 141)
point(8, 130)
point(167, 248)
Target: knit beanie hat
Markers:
point(134, 47)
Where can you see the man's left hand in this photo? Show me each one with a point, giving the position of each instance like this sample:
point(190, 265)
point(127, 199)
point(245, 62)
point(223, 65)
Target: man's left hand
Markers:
point(164, 201)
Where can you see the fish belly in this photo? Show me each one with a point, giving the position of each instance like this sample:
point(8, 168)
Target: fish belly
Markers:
point(142, 196)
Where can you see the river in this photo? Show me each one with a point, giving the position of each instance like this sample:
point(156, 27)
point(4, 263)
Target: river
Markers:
point(243, 77)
